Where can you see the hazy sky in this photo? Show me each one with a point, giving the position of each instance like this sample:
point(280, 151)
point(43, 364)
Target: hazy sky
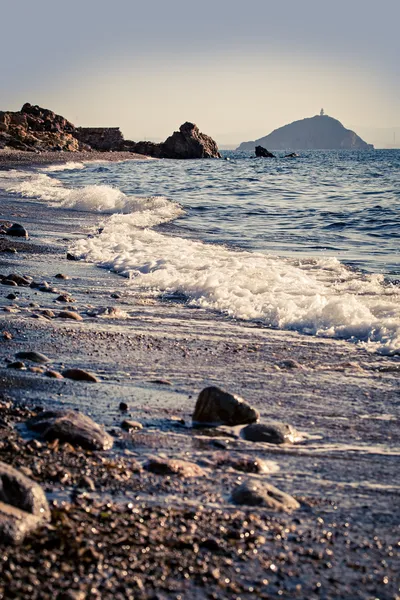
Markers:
point(238, 69)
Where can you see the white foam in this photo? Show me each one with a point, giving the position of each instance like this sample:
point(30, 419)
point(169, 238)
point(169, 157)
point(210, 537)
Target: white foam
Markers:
point(320, 297)
point(68, 166)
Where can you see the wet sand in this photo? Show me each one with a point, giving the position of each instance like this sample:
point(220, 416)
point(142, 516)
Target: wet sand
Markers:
point(18, 159)
point(119, 531)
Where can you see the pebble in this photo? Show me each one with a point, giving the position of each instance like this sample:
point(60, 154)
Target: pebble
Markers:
point(53, 374)
point(271, 433)
point(123, 406)
point(33, 356)
point(47, 313)
point(80, 375)
point(19, 280)
point(16, 365)
point(71, 256)
point(36, 370)
point(217, 407)
point(11, 297)
point(61, 276)
point(65, 298)
point(7, 335)
point(17, 230)
point(9, 282)
point(173, 466)
point(260, 493)
point(69, 314)
point(131, 425)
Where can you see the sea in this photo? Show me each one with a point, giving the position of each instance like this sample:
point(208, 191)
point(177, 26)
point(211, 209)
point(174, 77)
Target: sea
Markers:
point(309, 244)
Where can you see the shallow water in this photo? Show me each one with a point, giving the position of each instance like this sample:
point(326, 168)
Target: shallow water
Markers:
point(308, 244)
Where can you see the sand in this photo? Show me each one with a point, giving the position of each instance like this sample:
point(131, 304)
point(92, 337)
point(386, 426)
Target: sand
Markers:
point(119, 531)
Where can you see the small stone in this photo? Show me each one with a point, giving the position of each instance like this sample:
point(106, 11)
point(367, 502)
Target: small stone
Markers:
point(47, 313)
point(131, 425)
point(7, 335)
point(216, 407)
point(65, 298)
point(17, 230)
point(9, 282)
point(61, 276)
point(290, 363)
point(246, 464)
point(16, 365)
point(11, 297)
point(19, 280)
point(87, 482)
point(33, 356)
point(173, 466)
point(271, 433)
point(69, 314)
point(80, 375)
point(53, 374)
point(71, 256)
point(23, 493)
point(38, 370)
point(161, 382)
point(259, 493)
point(123, 406)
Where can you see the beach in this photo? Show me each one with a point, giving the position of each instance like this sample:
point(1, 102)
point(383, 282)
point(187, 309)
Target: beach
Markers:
point(119, 530)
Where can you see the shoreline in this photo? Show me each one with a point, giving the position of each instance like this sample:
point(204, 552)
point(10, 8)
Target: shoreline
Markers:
point(157, 360)
point(18, 158)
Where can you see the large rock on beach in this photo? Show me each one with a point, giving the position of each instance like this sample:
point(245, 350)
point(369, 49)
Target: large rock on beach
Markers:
point(216, 407)
point(72, 427)
point(271, 433)
point(260, 493)
point(23, 493)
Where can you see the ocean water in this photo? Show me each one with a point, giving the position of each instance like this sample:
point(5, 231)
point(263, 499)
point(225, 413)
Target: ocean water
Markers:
point(310, 244)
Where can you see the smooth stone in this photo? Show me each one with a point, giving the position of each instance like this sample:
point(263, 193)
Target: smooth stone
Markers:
point(53, 375)
point(71, 256)
point(11, 297)
point(17, 230)
point(71, 427)
point(131, 425)
point(246, 464)
point(61, 276)
point(16, 524)
point(80, 375)
point(123, 406)
point(216, 407)
point(16, 365)
point(33, 356)
point(69, 314)
point(272, 433)
point(36, 370)
point(173, 466)
point(47, 313)
point(260, 493)
point(23, 493)
point(9, 282)
point(19, 280)
point(290, 363)
point(65, 298)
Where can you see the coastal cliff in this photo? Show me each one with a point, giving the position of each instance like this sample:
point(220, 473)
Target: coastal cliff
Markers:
point(36, 129)
point(316, 133)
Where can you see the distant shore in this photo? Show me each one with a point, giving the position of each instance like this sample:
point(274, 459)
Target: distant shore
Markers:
point(18, 158)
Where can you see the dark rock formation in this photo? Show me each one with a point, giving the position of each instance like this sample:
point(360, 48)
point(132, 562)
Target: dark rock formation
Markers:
point(34, 128)
point(102, 139)
point(263, 152)
point(216, 407)
point(186, 143)
point(260, 493)
point(72, 427)
point(316, 133)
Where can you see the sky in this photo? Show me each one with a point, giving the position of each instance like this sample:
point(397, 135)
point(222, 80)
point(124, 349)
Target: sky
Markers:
point(237, 69)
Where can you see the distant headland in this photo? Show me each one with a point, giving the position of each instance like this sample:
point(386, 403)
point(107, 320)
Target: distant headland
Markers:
point(36, 129)
point(316, 133)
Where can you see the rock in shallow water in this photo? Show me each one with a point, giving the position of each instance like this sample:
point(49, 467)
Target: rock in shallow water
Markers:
point(216, 407)
point(173, 466)
point(259, 493)
point(72, 427)
point(271, 433)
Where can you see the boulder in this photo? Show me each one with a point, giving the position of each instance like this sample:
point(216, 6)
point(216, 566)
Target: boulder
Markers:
point(22, 493)
point(216, 407)
point(72, 427)
point(263, 153)
point(272, 433)
point(188, 142)
point(15, 524)
point(260, 493)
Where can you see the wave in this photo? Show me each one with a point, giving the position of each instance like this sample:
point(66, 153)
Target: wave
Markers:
point(321, 297)
point(103, 199)
point(68, 166)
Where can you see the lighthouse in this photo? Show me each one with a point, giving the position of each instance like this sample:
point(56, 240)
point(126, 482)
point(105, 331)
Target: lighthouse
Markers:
point(321, 114)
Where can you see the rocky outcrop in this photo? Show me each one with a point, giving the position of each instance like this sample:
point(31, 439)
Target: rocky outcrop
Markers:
point(37, 129)
point(34, 128)
point(102, 139)
point(186, 143)
point(263, 152)
point(316, 133)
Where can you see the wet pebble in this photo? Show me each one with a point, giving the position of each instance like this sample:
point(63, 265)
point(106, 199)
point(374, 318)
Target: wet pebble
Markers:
point(38, 370)
point(123, 406)
point(53, 374)
point(9, 282)
point(61, 276)
point(69, 314)
point(33, 356)
point(261, 493)
point(271, 433)
point(80, 375)
point(16, 365)
point(17, 230)
point(172, 466)
point(11, 297)
point(131, 425)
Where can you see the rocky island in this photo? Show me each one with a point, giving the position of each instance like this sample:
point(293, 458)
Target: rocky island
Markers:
point(36, 129)
point(316, 133)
